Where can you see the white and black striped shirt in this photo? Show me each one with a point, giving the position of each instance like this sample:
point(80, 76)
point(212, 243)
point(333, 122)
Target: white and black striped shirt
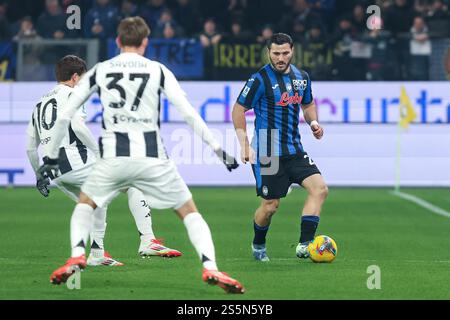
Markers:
point(129, 87)
point(73, 153)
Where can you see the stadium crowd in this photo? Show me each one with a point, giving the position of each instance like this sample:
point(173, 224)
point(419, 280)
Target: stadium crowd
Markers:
point(400, 50)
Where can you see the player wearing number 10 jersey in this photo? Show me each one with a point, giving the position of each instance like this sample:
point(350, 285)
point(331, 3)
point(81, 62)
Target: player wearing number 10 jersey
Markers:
point(78, 152)
point(131, 149)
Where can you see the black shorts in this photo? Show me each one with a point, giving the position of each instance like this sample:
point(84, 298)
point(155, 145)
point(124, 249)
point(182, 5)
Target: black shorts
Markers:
point(274, 184)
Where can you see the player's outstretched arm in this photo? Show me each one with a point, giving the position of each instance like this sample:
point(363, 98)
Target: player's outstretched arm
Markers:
point(240, 125)
point(178, 98)
point(310, 114)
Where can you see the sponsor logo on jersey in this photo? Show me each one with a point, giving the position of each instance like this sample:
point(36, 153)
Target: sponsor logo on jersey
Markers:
point(123, 118)
point(300, 84)
point(286, 99)
point(46, 140)
point(288, 87)
point(246, 91)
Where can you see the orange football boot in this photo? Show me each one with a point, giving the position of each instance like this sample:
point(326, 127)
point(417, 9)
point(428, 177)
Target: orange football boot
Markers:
point(223, 280)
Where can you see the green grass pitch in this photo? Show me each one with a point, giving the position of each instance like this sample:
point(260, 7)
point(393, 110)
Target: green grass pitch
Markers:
point(370, 226)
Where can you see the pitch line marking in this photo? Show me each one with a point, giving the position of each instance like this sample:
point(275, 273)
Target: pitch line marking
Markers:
point(342, 260)
point(422, 203)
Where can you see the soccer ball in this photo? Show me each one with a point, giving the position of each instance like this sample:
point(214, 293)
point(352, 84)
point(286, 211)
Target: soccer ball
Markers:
point(322, 249)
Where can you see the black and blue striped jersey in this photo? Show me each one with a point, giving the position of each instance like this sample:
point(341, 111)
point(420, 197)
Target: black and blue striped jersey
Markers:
point(276, 99)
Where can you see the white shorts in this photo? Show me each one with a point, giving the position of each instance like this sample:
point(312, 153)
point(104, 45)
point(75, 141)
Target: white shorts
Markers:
point(158, 179)
point(70, 183)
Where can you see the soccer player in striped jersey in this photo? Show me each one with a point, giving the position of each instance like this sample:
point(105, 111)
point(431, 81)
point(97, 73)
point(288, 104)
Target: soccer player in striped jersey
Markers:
point(78, 152)
point(276, 93)
point(131, 148)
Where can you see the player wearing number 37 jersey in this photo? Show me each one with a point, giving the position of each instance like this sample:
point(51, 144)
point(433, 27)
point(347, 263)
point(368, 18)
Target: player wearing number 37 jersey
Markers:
point(131, 149)
point(78, 152)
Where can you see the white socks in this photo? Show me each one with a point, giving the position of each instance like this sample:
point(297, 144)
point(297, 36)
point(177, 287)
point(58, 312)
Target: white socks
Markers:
point(200, 236)
point(80, 226)
point(98, 232)
point(141, 213)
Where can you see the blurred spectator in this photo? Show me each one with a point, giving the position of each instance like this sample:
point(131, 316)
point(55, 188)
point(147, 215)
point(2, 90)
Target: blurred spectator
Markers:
point(4, 25)
point(237, 11)
point(166, 25)
point(316, 53)
point(315, 34)
point(17, 9)
point(237, 4)
point(385, 4)
point(216, 9)
point(188, 16)
point(397, 52)
point(300, 13)
point(170, 31)
point(342, 38)
point(359, 18)
point(345, 7)
point(101, 21)
point(262, 12)
point(27, 30)
point(128, 9)
point(52, 23)
point(152, 11)
point(209, 35)
point(400, 17)
point(299, 31)
point(265, 34)
point(325, 9)
point(238, 34)
point(438, 20)
point(422, 6)
point(379, 61)
point(322, 5)
point(420, 49)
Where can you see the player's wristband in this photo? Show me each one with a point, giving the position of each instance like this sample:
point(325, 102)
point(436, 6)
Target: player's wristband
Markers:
point(314, 122)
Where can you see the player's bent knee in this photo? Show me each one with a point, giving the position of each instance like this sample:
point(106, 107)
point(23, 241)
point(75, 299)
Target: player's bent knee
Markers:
point(324, 191)
point(186, 209)
point(271, 206)
point(320, 191)
point(86, 200)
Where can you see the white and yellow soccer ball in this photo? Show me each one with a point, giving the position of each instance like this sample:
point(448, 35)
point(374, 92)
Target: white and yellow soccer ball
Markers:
point(322, 249)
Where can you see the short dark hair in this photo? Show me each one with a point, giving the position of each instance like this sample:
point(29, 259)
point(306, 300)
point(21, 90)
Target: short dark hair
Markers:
point(68, 66)
point(132, 31)
point(280, 38)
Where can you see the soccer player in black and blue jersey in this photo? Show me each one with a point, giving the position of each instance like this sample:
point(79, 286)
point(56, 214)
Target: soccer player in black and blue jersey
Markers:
point(276, 93)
